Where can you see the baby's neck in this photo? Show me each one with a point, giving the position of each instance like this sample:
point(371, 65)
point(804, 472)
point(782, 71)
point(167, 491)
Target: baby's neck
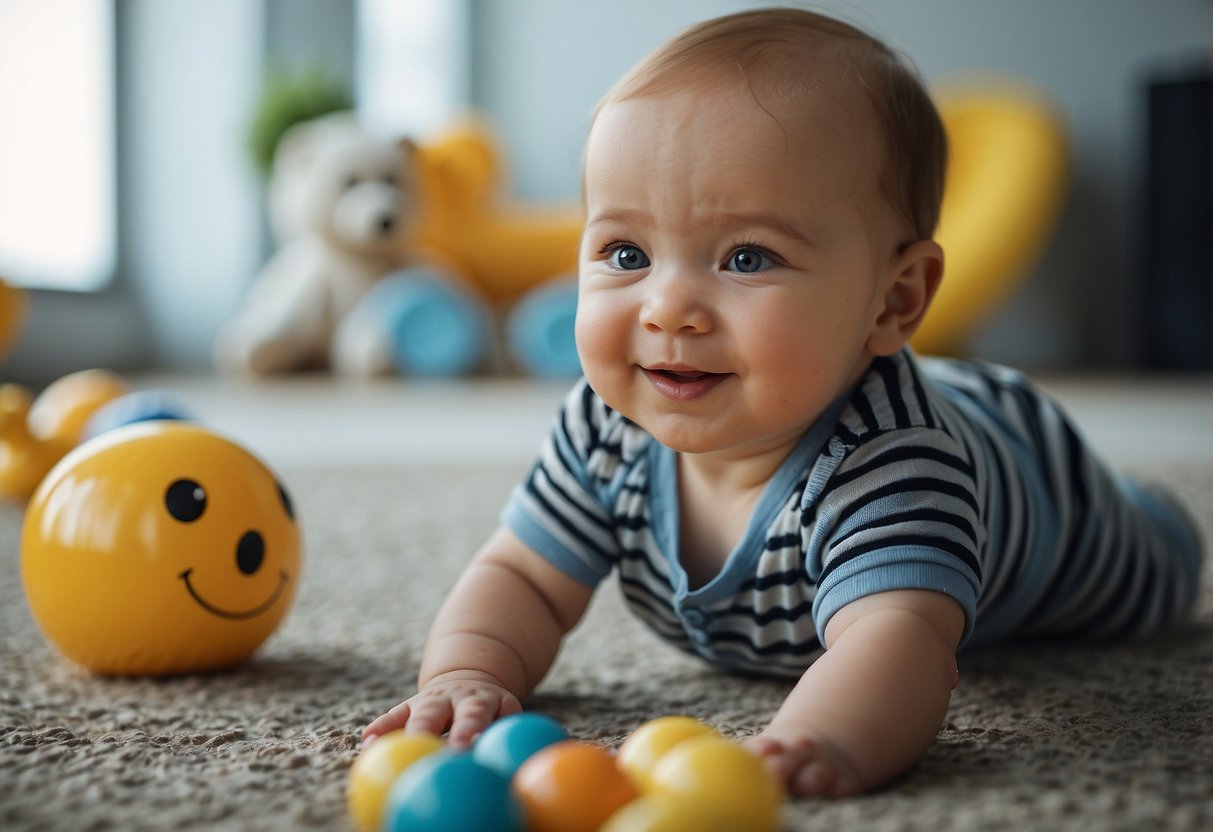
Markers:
point(716, 500)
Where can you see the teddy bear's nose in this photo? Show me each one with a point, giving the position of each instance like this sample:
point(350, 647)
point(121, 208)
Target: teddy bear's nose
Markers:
point(386, 224)
point(250, 552)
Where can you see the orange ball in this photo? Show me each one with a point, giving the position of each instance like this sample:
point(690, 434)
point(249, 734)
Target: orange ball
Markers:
point(571, 787)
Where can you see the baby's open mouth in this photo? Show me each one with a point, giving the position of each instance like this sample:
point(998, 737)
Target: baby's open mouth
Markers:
point(683, 385)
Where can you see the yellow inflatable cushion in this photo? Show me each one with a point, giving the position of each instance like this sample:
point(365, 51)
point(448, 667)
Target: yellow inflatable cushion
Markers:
point(1007, 177)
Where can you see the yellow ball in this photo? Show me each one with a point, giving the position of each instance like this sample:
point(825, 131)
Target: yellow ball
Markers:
point(722, 779)
point(377, 768)
point(651, 741)
point(159, 548)
point(61, 411)
point(663, 813)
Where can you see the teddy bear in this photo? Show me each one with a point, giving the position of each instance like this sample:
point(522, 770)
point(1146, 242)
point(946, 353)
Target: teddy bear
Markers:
point(340, 202)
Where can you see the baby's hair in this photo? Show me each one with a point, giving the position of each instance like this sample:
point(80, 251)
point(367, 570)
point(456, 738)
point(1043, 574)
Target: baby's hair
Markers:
point(787, 53)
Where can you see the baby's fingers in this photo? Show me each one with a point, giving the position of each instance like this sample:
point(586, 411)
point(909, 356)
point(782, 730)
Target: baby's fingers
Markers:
point(431, 715)
point(393, 720)
point(472, 715)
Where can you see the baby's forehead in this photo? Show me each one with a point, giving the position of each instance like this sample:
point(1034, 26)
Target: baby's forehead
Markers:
point(803, 115)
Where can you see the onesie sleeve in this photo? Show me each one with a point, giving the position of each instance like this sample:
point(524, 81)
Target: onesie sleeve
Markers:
point(558, 510)
point(900, 511)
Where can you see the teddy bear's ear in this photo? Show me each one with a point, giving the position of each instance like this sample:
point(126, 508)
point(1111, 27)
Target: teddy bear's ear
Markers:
point(296, 147)
point(301, 142)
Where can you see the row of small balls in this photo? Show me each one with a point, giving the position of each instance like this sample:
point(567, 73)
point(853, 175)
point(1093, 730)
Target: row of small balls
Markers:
point(524, 774)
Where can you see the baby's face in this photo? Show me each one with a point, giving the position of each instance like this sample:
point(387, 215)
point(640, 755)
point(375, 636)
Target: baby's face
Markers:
point(732, 267)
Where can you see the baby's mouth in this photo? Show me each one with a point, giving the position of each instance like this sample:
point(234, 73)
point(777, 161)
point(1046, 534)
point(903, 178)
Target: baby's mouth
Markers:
point(683, 384)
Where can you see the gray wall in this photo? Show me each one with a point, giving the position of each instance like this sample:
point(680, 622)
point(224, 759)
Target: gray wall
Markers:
point(542, 64)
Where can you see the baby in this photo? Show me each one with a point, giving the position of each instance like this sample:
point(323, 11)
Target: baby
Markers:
point(781, 484)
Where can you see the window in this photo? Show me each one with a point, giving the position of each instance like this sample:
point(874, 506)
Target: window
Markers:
point(414, 71)
point(57, 177)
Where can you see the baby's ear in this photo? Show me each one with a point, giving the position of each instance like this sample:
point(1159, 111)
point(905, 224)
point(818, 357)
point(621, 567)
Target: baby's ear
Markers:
point(911, 280)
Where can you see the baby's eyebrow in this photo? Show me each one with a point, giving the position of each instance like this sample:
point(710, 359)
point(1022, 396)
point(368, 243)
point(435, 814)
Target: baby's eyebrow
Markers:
point(721, 219)
point(772, 222)
point(621, 216)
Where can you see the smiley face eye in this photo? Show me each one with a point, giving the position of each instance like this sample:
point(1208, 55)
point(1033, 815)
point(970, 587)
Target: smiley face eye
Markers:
point(287, 505)
point(185, 500)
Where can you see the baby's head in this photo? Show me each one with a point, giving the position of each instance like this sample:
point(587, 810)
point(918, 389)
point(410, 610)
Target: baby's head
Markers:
point(760, 194)
point(786, 57)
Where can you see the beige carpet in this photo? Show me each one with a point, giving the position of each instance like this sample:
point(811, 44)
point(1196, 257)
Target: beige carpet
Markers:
point(1039, 736)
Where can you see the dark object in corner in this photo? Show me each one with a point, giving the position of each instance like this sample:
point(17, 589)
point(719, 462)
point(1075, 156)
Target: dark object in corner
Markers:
point(1177, 287)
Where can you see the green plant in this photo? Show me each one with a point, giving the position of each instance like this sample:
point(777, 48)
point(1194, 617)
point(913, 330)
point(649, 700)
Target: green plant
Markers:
point(287, 99)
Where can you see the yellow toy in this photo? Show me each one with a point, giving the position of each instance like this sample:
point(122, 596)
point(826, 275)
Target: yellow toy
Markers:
point(502, 247)
point(662, 813)
point(35, 433)
point(159, 548)
point(12, 316)
point(1007, 176)
point(650, 742)
point(723, 779)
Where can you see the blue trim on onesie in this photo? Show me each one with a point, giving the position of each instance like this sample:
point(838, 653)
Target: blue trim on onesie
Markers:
point(742, 561)
point(901, 567)
point(542, 542)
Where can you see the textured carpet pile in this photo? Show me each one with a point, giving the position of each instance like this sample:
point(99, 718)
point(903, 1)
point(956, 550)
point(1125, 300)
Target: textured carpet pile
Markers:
point(1039, 736)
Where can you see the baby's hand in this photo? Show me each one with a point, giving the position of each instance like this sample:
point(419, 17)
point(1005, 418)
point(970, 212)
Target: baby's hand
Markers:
point(463, 703)
point(808, 767)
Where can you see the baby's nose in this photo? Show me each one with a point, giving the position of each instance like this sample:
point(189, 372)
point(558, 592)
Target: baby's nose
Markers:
point(676, 305)
point(250, 552)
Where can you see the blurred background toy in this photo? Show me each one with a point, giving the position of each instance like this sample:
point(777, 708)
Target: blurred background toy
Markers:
point(340, 201)
point(159, 548)
point(418, 321)
point(1008, 169)
point(504, 247)
point(12, 316)
point(521, 256)
point(401, 258)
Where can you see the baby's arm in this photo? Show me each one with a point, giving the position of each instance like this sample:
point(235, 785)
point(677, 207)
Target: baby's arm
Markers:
point(871, 705)
point(493, 640)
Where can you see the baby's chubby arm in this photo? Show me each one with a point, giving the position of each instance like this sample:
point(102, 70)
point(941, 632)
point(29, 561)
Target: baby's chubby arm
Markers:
point(871, 705)
point(495, 637)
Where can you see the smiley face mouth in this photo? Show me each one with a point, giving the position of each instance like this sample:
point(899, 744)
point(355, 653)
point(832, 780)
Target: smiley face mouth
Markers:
point(238, 615)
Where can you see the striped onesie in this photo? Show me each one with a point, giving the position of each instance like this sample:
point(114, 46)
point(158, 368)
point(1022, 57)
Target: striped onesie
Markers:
point(930, 474)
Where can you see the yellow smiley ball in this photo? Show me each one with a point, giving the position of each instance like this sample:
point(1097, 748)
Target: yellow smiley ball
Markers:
point(159, 548)
point(723, 779)
point(651, 741)
point(376, 769)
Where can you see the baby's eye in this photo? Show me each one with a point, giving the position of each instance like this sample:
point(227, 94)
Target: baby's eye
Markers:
point(748, 261)
point(628, 258)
